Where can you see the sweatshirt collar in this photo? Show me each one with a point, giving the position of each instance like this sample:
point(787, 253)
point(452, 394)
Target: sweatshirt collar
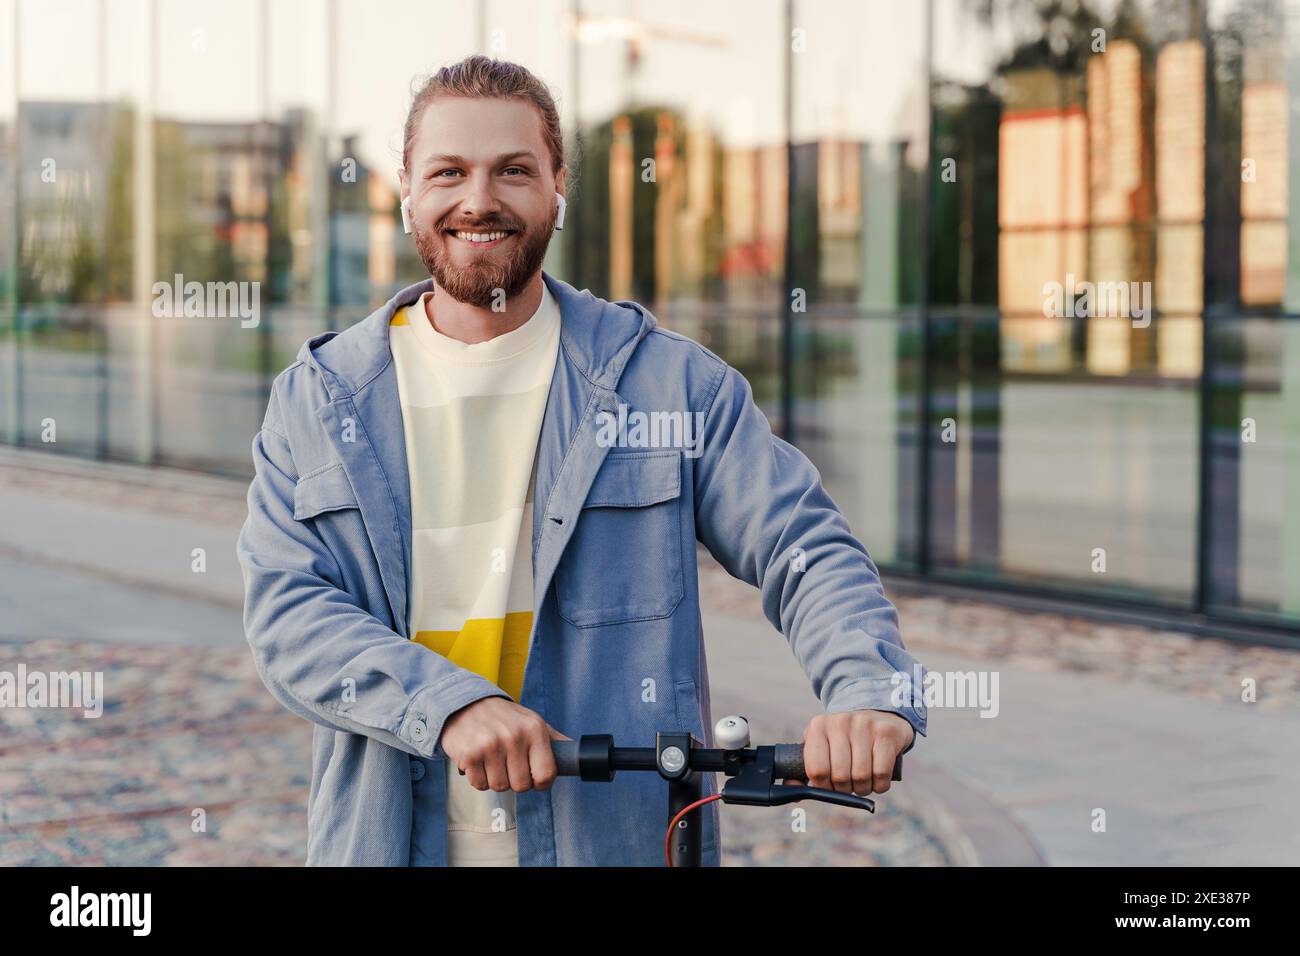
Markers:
point(596, 336)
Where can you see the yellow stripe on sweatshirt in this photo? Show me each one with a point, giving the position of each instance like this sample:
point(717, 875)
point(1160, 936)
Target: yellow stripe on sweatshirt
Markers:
point(494, 648)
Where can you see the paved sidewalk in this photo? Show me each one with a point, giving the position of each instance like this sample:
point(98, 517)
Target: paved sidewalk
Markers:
point(124, 526)
point(96, 573)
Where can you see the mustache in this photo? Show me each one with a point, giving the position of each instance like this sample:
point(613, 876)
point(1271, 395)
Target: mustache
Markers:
point(493, 226)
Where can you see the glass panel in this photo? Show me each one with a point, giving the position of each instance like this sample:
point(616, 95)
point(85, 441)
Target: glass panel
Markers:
point(1257, 71)
point(1067, 233)
point(858, 399)
point(860, 126)
point(1254, 283)
point(9, 226)
point(127, 314)
point(217, 159)
point(64, 127)
point(681, 196)
point(302, 91)
point(1255, 505)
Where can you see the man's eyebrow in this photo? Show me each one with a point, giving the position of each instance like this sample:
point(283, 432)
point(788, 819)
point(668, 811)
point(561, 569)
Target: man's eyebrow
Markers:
point(460, 160)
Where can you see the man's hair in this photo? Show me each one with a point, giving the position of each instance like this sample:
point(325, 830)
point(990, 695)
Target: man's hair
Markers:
point(482, 76)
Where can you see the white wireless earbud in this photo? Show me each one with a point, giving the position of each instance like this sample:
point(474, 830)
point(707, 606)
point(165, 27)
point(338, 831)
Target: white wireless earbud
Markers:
point(559, 216)
point(406, 215)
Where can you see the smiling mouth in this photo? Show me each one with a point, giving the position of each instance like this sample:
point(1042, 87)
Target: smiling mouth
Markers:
point(480, 238)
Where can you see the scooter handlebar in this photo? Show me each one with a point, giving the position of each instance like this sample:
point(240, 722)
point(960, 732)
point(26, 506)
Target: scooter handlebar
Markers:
point(788, 760)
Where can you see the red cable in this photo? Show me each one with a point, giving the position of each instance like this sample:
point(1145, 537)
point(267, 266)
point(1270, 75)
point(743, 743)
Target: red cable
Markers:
point(672, 824)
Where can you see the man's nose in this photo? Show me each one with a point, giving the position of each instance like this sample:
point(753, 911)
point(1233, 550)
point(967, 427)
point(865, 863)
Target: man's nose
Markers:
point(479, 199)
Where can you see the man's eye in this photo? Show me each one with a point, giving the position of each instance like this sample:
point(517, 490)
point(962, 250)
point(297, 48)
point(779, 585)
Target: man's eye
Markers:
point(519, 169)
point(443, 172)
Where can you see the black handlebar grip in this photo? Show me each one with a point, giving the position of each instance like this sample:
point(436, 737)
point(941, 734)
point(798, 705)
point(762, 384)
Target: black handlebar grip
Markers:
point(566, 757)
point(789, 763)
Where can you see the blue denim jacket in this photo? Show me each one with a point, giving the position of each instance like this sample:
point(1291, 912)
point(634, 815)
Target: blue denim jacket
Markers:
point(617, 643)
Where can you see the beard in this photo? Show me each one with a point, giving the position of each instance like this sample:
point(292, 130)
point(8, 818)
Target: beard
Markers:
point(477, 283)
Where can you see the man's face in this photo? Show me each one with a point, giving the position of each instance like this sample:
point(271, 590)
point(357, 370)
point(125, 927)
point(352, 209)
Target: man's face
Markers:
point(480, 167)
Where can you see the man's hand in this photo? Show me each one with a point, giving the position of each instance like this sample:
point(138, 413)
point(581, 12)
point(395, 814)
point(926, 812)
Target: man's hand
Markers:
point(854, 752)
point(501, 746)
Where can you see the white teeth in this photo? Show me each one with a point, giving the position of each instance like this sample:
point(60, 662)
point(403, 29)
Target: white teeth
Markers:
point(481, 236)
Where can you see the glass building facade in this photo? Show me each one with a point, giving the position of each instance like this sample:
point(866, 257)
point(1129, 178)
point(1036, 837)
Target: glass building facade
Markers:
point(888, 215)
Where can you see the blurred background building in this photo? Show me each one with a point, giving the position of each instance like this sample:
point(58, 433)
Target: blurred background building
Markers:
point(858, 203)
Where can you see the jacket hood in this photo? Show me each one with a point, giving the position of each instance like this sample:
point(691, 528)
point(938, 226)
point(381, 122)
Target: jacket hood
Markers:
point(598, 336)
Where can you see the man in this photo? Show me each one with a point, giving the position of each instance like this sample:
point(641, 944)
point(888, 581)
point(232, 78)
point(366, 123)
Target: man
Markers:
point(457, 551)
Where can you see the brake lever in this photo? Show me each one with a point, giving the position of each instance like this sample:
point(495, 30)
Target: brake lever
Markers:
point(755, 785)
point(801, 792)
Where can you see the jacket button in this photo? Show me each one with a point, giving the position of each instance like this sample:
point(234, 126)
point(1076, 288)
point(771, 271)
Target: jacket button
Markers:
point(419, 729)
point(417, 771)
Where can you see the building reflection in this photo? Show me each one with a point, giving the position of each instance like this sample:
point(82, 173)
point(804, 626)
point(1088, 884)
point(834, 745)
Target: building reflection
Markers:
point(864, 225)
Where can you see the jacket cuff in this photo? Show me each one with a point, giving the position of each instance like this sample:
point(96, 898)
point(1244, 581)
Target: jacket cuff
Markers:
point(882, 693)
point(430, 708)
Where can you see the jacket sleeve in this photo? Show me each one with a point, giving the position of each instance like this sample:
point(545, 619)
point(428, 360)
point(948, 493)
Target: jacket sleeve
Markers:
point(762, 512)
point(317, 650)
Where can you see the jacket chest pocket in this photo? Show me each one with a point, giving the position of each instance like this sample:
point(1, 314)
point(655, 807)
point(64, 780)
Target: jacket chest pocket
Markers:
point(324, 499)
point(327, 489)
point(624, 561)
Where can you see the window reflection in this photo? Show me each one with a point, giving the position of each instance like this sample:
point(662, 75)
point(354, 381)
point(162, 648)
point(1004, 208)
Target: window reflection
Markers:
point(904, 225)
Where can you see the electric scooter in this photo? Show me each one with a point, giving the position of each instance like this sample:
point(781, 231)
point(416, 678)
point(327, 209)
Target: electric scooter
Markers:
point(681, 759)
